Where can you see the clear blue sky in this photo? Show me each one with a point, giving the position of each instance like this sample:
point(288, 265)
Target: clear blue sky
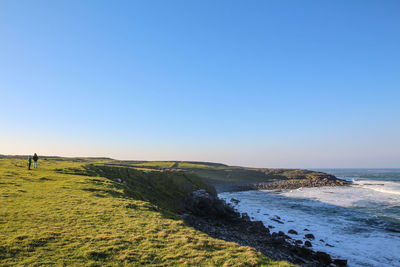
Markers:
point(255, 83)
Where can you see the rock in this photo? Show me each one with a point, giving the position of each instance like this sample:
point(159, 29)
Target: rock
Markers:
point(234, 200)
point(323, 257)
point(309, 236)
point(322, 240)
point(276, 220)
point(329, 245)
point(277, 217)
point(340, 262)
point(305, 229)
point(257, 227)
point(119, 180)
point(245, 216)
point(278, 240)
point(201, 193)
point(205, 212)
point(303, 251)
point(184, 215)
point(293, 232)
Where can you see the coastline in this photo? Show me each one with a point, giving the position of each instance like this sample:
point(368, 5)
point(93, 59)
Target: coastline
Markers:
point(329, 180)
point(213, 216)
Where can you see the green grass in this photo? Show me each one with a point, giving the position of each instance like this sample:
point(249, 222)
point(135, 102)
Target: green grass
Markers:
point(67, 212)
point(220, 173)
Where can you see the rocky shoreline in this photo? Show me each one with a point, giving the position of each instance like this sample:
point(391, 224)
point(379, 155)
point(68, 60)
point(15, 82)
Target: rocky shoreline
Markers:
point(327, 180)
point(207, 213)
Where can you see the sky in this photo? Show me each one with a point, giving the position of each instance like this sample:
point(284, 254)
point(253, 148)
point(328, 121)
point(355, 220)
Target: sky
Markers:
point(294, 84)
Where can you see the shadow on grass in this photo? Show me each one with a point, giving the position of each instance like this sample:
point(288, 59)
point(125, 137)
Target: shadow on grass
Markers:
point(105, 193)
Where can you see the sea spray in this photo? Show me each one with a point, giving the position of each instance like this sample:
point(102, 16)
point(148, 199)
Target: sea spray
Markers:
point(360, 222)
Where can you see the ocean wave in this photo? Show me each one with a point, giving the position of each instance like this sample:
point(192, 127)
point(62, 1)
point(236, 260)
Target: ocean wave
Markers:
point(336, 216)
point(380, 186)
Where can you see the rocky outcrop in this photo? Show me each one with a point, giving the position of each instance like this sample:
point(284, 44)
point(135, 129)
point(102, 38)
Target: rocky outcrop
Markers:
point(207, 213)
point(317, 181)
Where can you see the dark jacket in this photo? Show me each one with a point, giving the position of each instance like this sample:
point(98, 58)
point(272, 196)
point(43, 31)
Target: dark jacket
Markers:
point(35, 157)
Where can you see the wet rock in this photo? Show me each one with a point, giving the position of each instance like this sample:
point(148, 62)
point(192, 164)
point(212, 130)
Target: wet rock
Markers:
point(307, 244)
point(293, 232)
point(309, 236)
point(235, 201)
point(303, 251)
point(322, 240)
point(277, 217)
point(276, 220)
point(305, 229)
point(245, 216)
point(329, 245)
point(323, 257)
point(270, 226)
point(205, 212)
point(340, 262)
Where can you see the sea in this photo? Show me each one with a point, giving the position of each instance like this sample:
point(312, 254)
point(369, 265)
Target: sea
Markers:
point(360, 223)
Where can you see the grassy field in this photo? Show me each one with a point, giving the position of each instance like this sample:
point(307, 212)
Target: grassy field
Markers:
point(220, 173)
point(71, 212)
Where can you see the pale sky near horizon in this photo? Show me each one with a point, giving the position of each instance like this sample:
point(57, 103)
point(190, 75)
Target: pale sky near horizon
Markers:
point(309, 84)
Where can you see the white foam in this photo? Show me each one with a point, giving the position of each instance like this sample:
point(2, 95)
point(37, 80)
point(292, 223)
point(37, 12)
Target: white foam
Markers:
point(362, 193)
point(383, 187)
point(329, 214)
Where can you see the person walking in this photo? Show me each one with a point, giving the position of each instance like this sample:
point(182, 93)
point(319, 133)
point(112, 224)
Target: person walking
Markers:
point(29, 162)
point(35, 159)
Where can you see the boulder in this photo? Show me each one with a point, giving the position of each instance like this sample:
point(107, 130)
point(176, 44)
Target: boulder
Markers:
point(245, 216)
point(323, 257)
point(303, 251)
point(309, 236)
point(293, 232)
point(235, 201)
point(340, 262)
point(307, 244)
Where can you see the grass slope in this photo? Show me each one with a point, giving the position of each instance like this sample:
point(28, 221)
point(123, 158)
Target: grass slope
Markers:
point(220, 173)
point(67, 212)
